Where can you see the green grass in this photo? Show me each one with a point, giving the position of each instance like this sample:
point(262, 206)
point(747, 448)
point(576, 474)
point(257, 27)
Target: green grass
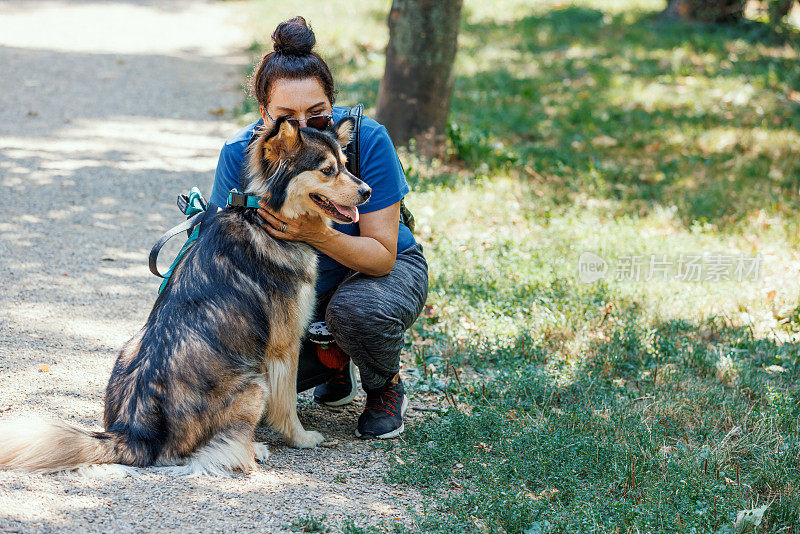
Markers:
point(312, 523)
point(309, 523)
point(630, 434)
point(620, 405)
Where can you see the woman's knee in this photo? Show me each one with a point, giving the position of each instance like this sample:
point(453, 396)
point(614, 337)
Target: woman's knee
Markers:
point(351, 311)
point(382, 307)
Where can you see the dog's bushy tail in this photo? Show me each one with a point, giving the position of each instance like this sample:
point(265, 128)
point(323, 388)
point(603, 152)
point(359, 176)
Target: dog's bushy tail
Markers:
point(48, 447)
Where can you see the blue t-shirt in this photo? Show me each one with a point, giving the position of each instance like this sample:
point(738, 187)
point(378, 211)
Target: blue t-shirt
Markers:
point(380, 169)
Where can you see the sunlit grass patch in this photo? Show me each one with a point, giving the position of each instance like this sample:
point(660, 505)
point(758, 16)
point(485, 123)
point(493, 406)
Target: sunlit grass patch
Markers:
point(615, 105)
point(690, 361)
point(659, 359)
point(665, 425)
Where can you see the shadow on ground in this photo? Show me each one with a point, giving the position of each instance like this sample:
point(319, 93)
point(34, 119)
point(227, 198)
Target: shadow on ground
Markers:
point(632, 110)
point(94, 149)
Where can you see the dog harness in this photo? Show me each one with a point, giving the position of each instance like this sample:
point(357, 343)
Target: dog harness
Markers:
point(237, 199)
point(196, 209)
point(194, 206)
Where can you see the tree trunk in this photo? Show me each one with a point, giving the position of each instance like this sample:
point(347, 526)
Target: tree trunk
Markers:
point(705, 10)
point(778, 9)
point(414, 95)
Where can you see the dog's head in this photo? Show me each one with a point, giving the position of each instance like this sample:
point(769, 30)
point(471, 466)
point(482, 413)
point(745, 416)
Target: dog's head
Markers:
point(302, 171)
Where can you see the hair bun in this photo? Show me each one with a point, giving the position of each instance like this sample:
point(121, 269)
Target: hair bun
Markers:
point(293, 37)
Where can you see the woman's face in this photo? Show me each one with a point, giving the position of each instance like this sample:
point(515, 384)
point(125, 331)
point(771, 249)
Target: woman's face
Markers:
point(299, 99)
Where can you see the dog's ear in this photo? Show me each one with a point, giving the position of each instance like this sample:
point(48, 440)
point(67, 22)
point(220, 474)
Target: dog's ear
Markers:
point(343, 130)
point(284, 141)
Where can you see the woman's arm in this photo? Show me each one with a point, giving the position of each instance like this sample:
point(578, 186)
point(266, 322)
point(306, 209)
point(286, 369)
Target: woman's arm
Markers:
point(373, 252)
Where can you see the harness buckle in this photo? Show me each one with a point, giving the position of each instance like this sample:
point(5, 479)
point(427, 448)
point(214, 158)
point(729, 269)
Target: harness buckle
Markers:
point(237, 199)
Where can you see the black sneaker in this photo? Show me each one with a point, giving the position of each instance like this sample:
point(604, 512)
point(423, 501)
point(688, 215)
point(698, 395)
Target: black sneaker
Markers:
point(383, 415)
point(341, 389)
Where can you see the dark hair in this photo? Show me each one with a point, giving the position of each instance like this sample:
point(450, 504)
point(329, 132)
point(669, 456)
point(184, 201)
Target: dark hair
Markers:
point(293, 57)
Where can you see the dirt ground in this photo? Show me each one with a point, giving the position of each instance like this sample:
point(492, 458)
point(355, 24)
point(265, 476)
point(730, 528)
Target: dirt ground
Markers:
point(110, 109)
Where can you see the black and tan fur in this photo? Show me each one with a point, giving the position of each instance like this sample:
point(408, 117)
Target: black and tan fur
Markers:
point(219, 350)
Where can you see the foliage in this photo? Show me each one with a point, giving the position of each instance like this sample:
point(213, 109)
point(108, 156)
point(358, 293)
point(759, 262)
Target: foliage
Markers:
point(639, 434)
point(707, 10)
point(778, 9)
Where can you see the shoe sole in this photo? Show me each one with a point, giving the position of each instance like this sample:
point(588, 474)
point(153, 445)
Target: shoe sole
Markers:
point(397, 431)
point(353, 392)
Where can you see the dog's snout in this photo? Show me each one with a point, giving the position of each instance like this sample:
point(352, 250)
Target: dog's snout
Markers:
point(365, 191)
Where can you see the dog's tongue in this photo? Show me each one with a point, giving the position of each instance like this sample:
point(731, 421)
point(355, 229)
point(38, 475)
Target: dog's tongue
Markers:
point(349, 211)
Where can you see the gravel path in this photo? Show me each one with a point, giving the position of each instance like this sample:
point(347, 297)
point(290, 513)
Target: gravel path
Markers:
point(109, 110)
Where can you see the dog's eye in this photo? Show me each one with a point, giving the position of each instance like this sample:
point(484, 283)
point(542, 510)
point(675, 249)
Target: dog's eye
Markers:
point(329, 170)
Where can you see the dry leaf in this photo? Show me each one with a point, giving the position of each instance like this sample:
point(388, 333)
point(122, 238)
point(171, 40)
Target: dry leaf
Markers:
point(775, 369)
point(652, 147)
point(484, 447)
point(732, 433)
point(547, 493)
point(604, 140)
point(747, 520)
point(217, 112)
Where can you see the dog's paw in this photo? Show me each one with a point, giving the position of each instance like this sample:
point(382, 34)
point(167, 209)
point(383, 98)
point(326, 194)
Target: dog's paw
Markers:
point(262, 451)
point(307, 439)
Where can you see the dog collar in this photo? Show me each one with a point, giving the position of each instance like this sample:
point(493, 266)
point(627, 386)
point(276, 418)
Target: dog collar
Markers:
point(237, 199)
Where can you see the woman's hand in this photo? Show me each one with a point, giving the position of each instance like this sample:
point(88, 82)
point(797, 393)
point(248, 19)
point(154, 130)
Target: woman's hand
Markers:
point(373, 252)
point(311, 230)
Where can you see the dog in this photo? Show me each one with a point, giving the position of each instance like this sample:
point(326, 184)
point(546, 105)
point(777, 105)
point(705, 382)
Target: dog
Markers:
point(219, 351)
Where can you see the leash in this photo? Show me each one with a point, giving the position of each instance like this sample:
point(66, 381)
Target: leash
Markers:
point(198, 211)
point(192, 225)
point(188, 224)
point(195, 207)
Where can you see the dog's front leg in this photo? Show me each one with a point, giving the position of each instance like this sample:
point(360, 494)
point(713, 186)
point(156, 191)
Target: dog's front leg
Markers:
point(281, 404)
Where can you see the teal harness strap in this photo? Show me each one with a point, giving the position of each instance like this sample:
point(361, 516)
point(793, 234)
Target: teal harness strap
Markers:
point(195, 203)
point(237, 199)
point(181, 252)
point(196, 208)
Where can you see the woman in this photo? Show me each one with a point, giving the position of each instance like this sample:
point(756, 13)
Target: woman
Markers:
point(373, 278)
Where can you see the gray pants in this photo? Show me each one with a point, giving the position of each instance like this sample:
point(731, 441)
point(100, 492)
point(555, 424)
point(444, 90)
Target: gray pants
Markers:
point(367, 315)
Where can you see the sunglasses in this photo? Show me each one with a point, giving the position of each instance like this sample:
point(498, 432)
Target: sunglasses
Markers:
point(318, 122)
